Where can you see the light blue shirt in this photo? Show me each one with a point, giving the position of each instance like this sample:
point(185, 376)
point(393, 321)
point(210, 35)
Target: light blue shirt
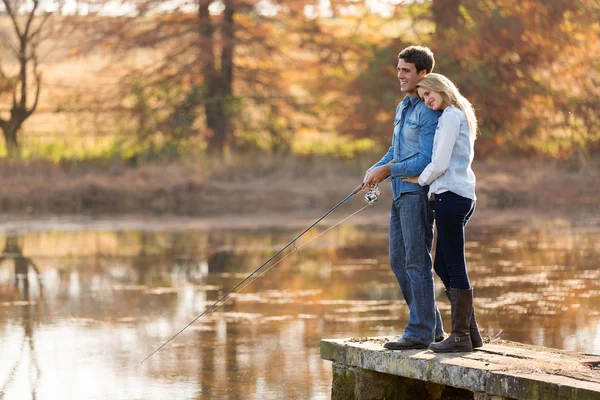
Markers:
point(412, 143)
point(453, 150)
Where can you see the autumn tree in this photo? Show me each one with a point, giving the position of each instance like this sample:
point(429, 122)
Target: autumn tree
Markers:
point(506, 57)
point(232, 73)
point(529, 68)
point(223, 69)
point(22, 39)
point(250, 73)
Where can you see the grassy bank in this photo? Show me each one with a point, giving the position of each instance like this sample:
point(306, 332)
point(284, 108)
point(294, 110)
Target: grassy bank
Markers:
point(258, 184)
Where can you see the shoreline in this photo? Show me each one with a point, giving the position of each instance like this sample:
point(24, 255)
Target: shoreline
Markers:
point(523, 218)
point(273, 193)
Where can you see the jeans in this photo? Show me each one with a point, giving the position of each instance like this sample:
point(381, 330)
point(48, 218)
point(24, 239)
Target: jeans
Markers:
point(411, 238)
point(452, 212)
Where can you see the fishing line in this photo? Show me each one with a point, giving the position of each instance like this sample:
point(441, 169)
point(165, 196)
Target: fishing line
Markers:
point(370, 198)
point(287, 255)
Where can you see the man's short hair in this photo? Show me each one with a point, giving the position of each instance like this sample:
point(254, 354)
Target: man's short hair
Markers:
point(421, 56)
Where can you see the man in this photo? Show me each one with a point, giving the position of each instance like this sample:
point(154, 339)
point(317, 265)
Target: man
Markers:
point(411, 218)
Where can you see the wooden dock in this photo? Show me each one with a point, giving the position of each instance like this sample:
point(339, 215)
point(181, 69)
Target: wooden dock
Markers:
point(363, 369)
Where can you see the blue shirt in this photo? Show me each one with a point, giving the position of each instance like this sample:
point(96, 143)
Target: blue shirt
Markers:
point(412, 143)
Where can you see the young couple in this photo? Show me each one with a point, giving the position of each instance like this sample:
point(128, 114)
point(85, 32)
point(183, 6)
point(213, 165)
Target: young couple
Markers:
point(430, 156)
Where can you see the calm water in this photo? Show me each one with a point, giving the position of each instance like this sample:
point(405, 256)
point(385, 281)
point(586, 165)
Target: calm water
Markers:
point(79, 310)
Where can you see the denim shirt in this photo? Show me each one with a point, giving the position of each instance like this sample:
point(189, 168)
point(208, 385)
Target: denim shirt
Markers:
point(412, 143)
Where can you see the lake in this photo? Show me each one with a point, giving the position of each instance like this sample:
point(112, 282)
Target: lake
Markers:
point(80, 308)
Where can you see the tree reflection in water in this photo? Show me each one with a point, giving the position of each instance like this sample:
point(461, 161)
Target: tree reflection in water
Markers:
point(110, 298)
point(12, 252)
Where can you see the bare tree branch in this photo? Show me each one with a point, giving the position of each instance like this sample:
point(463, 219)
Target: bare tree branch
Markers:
point(30, 17)
point(12, 15)
point(8, 43)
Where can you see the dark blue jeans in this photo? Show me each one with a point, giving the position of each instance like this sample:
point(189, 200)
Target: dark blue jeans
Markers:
point(452, 212)
point(411, 239)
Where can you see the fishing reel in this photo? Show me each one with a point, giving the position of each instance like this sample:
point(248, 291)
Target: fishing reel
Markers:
point(372, 196)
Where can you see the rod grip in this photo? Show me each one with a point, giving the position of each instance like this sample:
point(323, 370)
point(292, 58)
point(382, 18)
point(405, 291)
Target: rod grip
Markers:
point(358, 188)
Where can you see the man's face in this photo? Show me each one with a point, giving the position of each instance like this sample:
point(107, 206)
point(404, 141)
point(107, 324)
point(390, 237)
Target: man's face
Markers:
point(408, 77)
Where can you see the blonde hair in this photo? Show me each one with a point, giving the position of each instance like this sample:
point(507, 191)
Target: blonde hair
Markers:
point(451, 97)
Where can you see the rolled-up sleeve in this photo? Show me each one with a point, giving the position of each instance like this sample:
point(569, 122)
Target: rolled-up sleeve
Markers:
point(447, 136)
point(389, 156)
point(414, 166)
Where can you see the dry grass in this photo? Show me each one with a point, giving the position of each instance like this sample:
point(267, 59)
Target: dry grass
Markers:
point(202, 188)
point(254, 184)
point(539, 182)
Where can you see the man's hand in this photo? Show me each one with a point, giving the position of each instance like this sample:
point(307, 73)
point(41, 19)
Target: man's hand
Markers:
point(375, 176)
point(412, 179)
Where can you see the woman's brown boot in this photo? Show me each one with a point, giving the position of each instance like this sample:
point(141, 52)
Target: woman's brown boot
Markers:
point(461, 303)
point(476, 339)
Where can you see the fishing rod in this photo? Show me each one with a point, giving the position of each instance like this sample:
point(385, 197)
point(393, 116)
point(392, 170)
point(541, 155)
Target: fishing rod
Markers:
point(370, 197)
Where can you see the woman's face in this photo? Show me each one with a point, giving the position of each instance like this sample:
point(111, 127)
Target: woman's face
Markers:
point(431, 98)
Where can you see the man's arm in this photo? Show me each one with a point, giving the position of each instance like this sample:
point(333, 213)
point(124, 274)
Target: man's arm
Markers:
point(380, 170)
point(416, 164)
point(385, 159)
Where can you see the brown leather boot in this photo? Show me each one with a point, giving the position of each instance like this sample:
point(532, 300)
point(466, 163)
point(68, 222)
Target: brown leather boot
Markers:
point(476, 339)
point(461, 302)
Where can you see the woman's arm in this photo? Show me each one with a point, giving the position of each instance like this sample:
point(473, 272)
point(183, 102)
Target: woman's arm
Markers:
point(440, 160)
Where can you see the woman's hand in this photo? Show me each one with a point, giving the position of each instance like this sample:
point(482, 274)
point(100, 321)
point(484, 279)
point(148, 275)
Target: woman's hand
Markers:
point(412, 179)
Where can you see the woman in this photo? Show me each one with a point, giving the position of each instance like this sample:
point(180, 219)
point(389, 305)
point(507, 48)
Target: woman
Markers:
point(452, 185)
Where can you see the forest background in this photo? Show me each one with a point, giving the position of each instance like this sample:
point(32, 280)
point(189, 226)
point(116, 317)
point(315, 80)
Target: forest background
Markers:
point(209, 108)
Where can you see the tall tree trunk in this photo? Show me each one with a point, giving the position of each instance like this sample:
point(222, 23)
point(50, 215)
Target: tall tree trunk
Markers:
point(228, 32)
point(208, 68)
point(218, 78)
point(10, 132)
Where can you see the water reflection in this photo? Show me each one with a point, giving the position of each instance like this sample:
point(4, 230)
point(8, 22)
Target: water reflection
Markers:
point(87, 307)
point(20, 295)
point(22, 265)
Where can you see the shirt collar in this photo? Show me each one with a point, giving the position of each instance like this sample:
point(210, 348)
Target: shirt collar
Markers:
point(410, 100)
point(414, 100)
